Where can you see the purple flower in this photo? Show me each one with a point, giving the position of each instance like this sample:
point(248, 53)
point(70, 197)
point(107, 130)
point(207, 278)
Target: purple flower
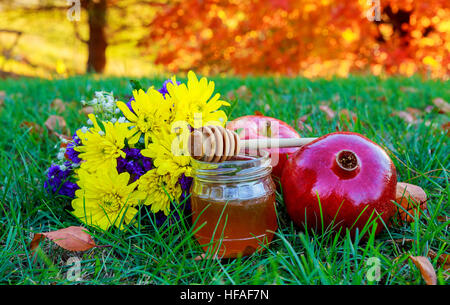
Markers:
point(71, 153)
point(129, 104)
point(163, 89)
point(134, 163)
point(58, 180)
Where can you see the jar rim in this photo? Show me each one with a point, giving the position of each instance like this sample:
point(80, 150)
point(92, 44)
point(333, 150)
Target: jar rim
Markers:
point(256, 166)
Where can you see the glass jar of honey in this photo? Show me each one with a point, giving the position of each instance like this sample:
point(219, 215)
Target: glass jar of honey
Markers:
point(233, 205)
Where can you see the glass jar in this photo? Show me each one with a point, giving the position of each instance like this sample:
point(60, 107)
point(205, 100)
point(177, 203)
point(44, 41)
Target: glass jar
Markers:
point(233, 205)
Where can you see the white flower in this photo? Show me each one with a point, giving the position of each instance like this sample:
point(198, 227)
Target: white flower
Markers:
point(101, 132)
point(60, 156)
point(84, 129)
point(122, 119)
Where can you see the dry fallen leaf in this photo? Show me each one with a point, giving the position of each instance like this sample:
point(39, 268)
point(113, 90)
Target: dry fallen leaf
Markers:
point(301, 125)
point(330, 114)
point(442, 105)
point(443, 218)
point(33, 127)
point(346, 119)
point(2, 98)
point(87, 110)
point(426, 269)
point(406, 116)
point(347, 115)
point(443, 259)
point(54, 122)
point(408, 89)
point(412, 198)
point(414, 111)
point(241, 92)
point(58, 105)
point(71, 238)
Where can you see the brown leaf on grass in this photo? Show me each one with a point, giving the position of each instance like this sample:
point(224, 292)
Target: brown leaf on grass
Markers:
point(426, 269)
point(381, 98)
point(406, 89)
point(414, 111)
point(2, 98)
point(301, 125)
point(442, 105)
point(71, 238)
point(33, 127)
point(54, 122)
point(303, 118)
point(412, 198)
point(257, 112)
point(241, 92)
point(58, 105)
point(330, 114)
point(443, 218)
point(406, 116)
point(346, 119)
point(347, 115)
point(87, 110)
point(442, 260)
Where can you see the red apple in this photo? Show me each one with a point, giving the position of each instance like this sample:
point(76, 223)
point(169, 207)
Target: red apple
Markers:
point(352, 176)
point(263, 127)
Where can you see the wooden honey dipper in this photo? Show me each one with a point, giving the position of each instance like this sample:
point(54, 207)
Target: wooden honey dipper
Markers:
point(218, 144)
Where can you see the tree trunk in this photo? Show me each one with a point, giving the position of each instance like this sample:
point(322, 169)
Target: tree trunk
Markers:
point(97, 43)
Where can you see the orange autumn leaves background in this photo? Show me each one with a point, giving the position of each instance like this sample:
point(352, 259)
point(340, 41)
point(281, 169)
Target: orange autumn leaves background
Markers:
point(312, 38)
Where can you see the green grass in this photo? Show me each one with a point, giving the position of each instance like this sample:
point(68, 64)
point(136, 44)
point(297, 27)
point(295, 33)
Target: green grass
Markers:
point(147, 254)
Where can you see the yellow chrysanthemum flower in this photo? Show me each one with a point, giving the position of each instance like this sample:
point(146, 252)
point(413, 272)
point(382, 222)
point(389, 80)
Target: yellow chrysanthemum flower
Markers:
point(110, 202)
point(193, 103)
point(160, 190)
point(169, 155)
point(101, 149)
point(150, 114)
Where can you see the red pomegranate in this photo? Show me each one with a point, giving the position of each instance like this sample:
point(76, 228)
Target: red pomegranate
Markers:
point(260, 127)
point(353, 177)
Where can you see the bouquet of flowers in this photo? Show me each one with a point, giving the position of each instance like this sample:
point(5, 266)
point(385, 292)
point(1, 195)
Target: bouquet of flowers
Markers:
point(134, 153)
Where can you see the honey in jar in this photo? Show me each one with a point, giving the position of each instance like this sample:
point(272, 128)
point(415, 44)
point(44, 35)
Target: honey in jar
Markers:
point(233, 205)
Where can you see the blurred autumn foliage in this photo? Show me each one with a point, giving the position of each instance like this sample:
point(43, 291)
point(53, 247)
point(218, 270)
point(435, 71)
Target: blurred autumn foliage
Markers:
point(309, 37)
point(290, 37)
